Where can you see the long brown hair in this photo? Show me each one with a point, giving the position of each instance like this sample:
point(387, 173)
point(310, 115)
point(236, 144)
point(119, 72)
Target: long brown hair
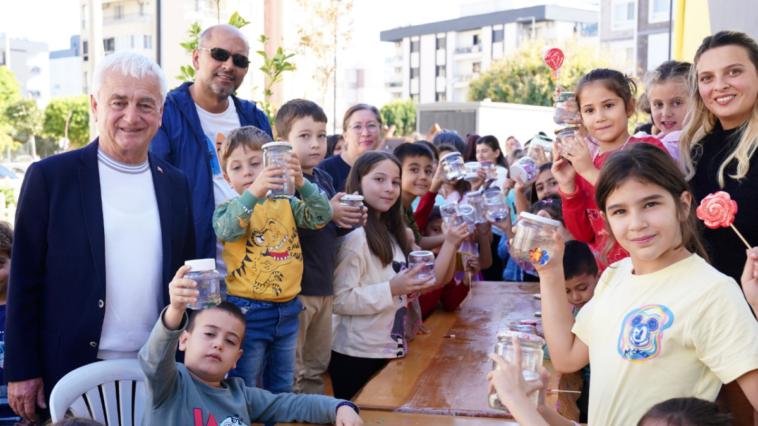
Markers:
point(650, 164)
point(380, 232)
point(686, 412)
point(700, 120)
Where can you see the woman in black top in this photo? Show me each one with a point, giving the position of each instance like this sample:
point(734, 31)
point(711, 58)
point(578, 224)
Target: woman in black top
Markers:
point(718, 153)
point(721, 136)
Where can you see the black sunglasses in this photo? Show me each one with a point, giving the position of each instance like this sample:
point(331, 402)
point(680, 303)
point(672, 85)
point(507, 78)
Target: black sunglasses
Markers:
point(223, 55)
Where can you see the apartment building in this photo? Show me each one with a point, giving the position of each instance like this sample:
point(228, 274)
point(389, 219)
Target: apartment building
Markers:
point(434, 62)
point(30, 61)
point(66, 79)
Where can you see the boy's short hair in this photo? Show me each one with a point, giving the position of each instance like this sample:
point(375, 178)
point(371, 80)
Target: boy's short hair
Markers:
point(578, 260)
point(6, 238)
point(410, 149)
point(225, 306)
point(431, 147)
point(295, 110)
point(433, 215)
point(250, 137)
point(447, 147)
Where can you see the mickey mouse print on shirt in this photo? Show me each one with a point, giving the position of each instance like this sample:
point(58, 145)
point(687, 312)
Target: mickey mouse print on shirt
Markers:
point(641, 337)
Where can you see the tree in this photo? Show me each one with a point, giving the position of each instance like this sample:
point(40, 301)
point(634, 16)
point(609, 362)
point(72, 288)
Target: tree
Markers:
point(524, 78)
point(328, 23)
point(400, 113)
point(57, 114)
point(10, 93)
point(26, 118)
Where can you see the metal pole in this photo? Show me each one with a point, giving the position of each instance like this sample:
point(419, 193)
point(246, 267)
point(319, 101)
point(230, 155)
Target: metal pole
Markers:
point(671, 25)
point(532, 34)
point(158, 33)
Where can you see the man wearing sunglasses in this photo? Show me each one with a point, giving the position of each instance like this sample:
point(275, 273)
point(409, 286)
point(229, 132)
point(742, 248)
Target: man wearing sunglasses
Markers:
point(196, 119)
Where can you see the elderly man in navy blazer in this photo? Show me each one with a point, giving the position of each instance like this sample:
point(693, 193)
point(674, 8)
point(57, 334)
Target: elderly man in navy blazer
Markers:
point(100, 232)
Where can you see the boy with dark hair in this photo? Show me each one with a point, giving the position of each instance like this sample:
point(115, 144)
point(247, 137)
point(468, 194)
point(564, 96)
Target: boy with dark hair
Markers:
point(197, 392)
point(6, 246)
point(263, 254)
point(302, 123)
point(581, 273)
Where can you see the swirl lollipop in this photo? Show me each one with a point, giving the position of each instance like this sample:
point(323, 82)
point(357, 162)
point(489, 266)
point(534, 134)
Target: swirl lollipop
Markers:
point(718, 210)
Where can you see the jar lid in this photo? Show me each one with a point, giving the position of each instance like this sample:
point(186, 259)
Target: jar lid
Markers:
point(466, 209)
point(202, 264)
point(485, 162)
point(475, 194)
point(570, 128)
point(536, 218)
point(421, 253)
point(507, 334)
point(277, 144)
point(351, 197)
point(473, 164)
point(564, 96)
point(450, 154)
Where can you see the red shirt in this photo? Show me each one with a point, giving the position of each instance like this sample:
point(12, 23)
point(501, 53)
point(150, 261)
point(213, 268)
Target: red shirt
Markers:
point(451, 295)
point(582, 215)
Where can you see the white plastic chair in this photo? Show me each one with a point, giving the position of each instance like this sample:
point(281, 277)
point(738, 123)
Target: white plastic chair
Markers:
point(110, 392)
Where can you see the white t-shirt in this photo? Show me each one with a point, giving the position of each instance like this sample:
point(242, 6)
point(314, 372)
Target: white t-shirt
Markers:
point(215, 129)
point(133, 257)
point(678, 332)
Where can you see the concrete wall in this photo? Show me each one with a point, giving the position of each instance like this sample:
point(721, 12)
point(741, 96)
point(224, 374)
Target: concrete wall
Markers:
point(737, 15)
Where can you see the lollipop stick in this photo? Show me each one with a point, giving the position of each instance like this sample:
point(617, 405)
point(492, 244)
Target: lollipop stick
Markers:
point(741, 237)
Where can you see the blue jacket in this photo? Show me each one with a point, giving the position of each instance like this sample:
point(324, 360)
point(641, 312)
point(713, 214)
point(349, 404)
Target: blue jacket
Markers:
point(56, 304)
point(181, 142)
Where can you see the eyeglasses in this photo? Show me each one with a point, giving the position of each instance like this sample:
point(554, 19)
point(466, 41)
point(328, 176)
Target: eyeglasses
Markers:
point(357, 128)
point(223, 55)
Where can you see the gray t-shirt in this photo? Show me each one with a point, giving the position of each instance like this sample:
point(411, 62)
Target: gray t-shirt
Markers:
point(175, 398)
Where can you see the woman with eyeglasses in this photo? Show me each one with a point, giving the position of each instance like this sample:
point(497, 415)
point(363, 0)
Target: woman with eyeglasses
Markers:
point(361, 129)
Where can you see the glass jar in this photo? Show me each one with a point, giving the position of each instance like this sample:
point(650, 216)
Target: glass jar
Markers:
point(525, 169)
point(425, 258)
point(495, 207)
point(469, 216)
point(452, 164)
point(540, 141)
point(533, 240)
point(204, 273)
point(565, 108)
point(472, 167)
point(491, 170)
point(476, 201)
point(353, 201)
point(531, 360)
point(563, 135)
point(448, 210)
point(278, 153)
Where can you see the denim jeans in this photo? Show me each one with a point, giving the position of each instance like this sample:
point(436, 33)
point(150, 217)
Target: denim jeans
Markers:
point(270, 343)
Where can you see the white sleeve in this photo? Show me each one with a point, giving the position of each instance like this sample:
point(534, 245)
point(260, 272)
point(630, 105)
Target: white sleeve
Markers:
point(350, 298)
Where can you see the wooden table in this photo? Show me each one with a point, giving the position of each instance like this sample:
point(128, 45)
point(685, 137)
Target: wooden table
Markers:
point(446, 376)
point(384, 418)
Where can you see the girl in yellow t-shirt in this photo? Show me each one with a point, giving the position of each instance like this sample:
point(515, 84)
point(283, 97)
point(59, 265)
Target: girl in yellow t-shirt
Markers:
point(663, 322)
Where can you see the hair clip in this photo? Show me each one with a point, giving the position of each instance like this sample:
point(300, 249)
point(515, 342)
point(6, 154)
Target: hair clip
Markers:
point(549, 200)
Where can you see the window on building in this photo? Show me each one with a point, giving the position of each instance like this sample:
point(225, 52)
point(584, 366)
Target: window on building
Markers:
point(109, 44)
point(398, 70)
point(35, 70)
point(144, 8)
point(85, 83)
point(440, 70)
point(415, 46)
point(148, 42)
point(415, 98)
point(477, 39)
point(441, 42)
point(623, 14)
point(440, 97)
point(659, 10)
point(498, 35)
point(85, 50)
point(118, 13)
point(85, 17)
point(476, 67)
point(414, 73)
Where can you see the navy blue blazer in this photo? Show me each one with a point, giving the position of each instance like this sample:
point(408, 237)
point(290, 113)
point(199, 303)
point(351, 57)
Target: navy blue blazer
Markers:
point(56, 294)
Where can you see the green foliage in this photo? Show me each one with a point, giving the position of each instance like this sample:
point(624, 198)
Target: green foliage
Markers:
point(238, 21)
point(400, 113)
point(10, 196)
point(273, 68)
point(57, 112)
point(188, 72)
point(10, 93)
point(524, 78)
point(25, 116)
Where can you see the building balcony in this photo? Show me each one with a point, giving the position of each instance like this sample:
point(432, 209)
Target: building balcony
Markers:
point(477, 48)
point(391, 84)
point(465, 78)
point(128, 19)
point(393, 59)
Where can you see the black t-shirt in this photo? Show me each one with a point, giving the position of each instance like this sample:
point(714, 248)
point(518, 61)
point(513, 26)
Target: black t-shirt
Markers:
point(724, 247)
point(338, 169)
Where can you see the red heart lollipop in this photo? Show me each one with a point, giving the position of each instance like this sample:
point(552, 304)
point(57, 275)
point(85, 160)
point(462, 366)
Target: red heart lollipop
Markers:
point(554, 58)
point(717, 210)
